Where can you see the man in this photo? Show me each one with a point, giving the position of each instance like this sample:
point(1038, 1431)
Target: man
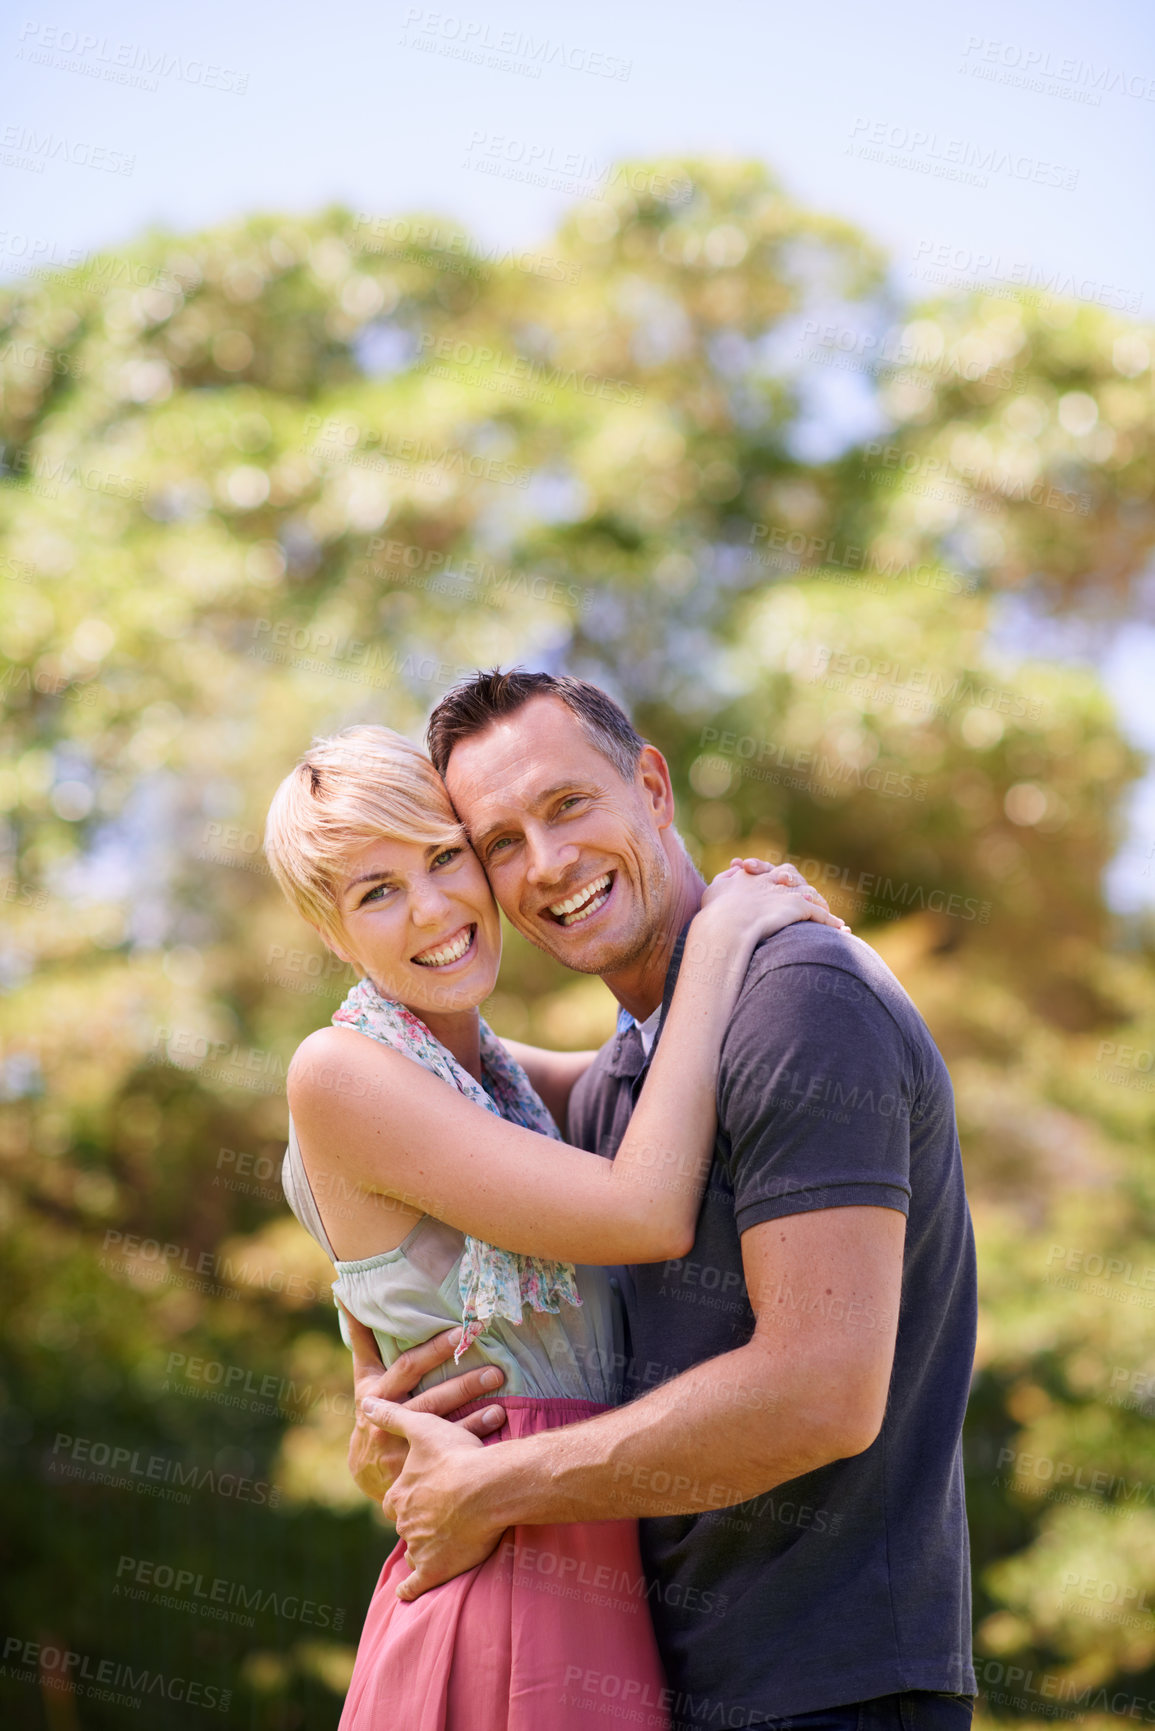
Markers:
point(799, 1380)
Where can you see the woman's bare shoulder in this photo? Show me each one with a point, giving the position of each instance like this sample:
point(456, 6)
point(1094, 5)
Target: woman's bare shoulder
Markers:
point(343, 1060)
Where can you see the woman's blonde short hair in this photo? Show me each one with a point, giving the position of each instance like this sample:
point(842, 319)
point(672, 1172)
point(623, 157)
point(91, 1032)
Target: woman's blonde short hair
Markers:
point(361, 784)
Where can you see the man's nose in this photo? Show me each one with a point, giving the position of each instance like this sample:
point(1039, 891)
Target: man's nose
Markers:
point(548, 858)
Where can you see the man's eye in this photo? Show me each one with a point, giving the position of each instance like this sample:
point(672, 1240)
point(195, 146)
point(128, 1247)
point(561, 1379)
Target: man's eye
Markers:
point(570, 799)
point(496, 846)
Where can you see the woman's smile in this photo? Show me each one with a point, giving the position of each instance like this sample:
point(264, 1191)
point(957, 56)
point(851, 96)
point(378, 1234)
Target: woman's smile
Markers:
point(448, 951)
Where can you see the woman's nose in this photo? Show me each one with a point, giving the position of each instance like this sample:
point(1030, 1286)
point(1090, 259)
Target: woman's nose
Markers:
point(427, 904)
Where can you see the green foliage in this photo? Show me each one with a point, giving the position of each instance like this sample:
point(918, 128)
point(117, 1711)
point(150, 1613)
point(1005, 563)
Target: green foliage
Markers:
point(290, 474)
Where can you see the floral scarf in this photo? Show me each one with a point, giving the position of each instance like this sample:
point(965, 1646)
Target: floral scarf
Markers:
point(492, 1282)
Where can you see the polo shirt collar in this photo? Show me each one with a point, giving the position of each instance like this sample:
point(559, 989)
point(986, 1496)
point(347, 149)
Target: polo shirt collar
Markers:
point(629, 1057)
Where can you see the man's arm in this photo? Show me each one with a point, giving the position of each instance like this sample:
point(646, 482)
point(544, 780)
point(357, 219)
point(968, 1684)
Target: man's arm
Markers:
point(808, 1388)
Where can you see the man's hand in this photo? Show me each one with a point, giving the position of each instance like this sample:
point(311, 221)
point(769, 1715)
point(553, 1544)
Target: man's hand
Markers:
point(432, 1502)
point(376, 1456)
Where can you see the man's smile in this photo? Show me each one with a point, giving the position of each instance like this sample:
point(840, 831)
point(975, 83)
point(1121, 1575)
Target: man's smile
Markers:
point(583, 902)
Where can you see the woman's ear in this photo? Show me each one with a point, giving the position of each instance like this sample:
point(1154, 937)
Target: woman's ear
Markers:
point(329, 944)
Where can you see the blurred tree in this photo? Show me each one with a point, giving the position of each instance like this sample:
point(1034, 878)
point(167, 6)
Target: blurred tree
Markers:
point(270, 480)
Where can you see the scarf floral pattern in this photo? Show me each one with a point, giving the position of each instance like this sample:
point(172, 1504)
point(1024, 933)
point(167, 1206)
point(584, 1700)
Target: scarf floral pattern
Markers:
point(493, 1282)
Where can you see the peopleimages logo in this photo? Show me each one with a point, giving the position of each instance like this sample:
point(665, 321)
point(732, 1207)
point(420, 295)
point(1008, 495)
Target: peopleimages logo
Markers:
point(820, 553)
point(504, 50)
point(797, 767)
point(520, 373)
point(234, 1385)
point(32, 149)
point(577, 1578)
point(132, 1468)
point(209, 1595)
point(368, 447)
point(894, 463)
point(450, 249)
point(148, 1261)
point(70, 1672)
point(1028, 66)
point(930, 689)
point(131, 63)
point(960, 266)
point(1052, 1686)
point(544, 163)
point(930, 152)
point(1117, 1493)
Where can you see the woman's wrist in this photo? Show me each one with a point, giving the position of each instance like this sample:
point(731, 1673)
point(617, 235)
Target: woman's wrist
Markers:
point(718, 944)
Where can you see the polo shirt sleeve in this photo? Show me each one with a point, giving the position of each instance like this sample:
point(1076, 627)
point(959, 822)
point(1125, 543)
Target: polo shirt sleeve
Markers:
point(814, 1096)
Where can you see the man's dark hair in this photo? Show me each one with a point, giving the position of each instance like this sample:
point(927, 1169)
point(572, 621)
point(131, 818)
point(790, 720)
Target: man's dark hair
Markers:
point(470, 708)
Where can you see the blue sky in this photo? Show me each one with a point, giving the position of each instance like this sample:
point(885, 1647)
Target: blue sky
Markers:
point(390, 108)
point(369, 105)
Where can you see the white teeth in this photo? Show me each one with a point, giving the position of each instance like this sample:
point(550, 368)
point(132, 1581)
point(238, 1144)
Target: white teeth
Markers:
point(579, 898)
point(599, 901)
point(583, 902)
point(451, 952)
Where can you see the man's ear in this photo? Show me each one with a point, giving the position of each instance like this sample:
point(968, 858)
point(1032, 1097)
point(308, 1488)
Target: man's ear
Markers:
point(654, 778)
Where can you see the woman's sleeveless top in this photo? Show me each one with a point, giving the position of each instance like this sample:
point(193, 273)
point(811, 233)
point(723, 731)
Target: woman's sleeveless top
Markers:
point(407, 1294)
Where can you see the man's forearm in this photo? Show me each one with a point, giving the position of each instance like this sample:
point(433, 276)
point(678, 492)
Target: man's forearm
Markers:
point(722, 1432)
point(808, 1388)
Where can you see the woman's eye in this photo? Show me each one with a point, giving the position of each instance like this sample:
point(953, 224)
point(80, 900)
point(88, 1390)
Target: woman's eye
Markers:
point(373, 895)
point(445, 855)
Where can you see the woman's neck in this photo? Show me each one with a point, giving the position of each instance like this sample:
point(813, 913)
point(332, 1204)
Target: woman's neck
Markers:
point(460, 1032)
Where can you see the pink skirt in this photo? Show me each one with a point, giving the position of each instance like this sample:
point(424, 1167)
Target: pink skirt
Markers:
point(551, 1633)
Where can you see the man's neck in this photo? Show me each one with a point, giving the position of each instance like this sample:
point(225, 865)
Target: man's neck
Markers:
point(639, 987)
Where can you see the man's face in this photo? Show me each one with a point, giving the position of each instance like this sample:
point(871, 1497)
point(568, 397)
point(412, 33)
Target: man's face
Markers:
point(575, 855)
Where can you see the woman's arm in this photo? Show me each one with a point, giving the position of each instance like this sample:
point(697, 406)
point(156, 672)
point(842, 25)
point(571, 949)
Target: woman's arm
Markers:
point(373, 1118)
point(552, 1074)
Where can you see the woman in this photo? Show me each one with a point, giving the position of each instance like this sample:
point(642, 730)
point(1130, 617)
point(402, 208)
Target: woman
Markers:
point(416, 1151)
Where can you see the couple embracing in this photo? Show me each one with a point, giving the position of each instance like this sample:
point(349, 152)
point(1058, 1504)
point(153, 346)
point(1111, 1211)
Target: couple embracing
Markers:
point(720, 1273)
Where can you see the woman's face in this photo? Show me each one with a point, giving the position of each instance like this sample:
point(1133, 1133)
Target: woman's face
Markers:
point(421, 922)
